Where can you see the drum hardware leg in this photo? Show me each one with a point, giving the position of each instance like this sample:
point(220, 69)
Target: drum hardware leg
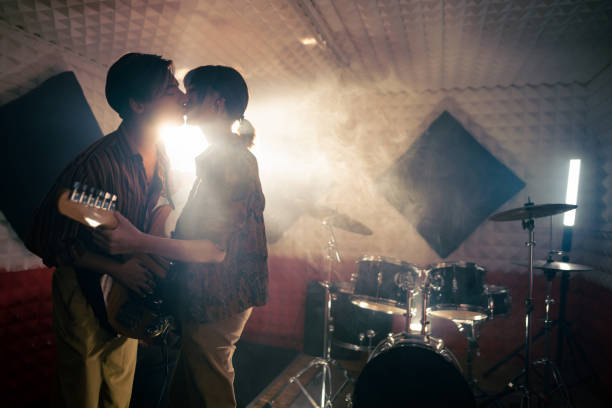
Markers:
point(370, 334)
point(527, 224)
point(470, 331)
point(425, 302)
point(325, 362)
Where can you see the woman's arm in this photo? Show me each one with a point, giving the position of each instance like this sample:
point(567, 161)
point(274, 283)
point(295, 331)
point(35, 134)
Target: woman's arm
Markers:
point(201, 250)
point(126, 238)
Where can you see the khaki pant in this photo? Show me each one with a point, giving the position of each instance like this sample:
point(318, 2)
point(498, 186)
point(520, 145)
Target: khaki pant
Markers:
point(94, 368)
point(204, 374)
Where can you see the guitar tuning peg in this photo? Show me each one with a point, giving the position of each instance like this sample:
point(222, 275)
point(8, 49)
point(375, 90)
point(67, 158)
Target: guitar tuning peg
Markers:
point(113, 203)
point(83, 198)
point(91, 198)
point(74, 194)
point(99, 199)
point(106, 201)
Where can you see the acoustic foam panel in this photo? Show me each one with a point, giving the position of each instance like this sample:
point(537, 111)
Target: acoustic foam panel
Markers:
point(446, 184)
point(42, 131)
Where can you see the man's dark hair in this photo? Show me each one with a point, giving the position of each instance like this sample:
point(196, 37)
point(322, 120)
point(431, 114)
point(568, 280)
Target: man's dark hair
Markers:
point(138, 76)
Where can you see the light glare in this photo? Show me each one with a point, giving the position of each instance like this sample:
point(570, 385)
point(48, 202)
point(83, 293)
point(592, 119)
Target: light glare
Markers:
point(571, 196)
point(92, 223)
point(416, 327)
point(183, 144)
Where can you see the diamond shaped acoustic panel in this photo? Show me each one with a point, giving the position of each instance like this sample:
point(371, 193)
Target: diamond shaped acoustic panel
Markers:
point(446, 184)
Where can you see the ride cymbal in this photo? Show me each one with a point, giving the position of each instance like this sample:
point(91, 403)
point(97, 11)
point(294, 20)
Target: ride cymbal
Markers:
point(532, 211)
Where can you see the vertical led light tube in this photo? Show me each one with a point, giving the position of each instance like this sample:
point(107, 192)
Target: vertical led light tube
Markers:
point(571, 196)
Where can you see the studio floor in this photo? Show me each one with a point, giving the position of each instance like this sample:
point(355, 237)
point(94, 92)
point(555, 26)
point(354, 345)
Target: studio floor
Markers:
point(583, 395)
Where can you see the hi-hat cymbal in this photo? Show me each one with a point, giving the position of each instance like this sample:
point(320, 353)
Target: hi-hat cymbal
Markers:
point(546, 265)
point(532, 211)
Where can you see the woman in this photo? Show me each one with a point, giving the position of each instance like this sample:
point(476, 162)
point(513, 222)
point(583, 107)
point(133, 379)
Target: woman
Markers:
point(226, 207)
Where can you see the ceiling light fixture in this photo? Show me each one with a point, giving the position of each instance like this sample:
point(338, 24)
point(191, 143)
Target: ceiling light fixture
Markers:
point(309, 41)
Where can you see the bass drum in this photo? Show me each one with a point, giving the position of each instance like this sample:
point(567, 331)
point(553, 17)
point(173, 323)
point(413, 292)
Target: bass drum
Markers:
point(409, 370)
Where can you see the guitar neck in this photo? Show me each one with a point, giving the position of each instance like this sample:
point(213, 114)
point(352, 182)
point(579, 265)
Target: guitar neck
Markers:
point(88, 209)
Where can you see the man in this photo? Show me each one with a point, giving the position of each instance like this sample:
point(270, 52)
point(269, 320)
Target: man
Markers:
point(95, 365)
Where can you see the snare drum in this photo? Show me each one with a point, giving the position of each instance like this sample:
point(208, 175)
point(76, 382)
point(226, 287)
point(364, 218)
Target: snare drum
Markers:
point(497, 300)
point(383, 283)
point(412, 370)
point(456, 291)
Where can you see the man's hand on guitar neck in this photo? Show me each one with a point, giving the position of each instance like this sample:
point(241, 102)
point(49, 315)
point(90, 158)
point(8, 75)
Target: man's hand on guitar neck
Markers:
point(132, 273)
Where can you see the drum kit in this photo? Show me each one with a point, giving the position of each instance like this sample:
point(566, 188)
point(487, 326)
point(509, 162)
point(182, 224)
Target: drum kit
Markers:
point(414, 368)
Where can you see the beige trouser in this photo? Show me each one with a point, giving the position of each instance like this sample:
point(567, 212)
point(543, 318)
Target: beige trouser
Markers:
point(204, 374)
point(94, 368)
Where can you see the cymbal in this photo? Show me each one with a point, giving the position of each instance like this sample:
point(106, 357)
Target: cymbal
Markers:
point(546, 265)
point(336, 219)
point(532, 211)
point(346, 223)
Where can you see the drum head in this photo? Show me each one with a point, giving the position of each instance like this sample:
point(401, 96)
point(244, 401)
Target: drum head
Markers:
point(379, 304)
point(406, 376)
point(469, 313)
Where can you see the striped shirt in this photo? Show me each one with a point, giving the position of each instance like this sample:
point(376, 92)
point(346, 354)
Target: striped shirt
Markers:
point(110, 165)
point(225, 206)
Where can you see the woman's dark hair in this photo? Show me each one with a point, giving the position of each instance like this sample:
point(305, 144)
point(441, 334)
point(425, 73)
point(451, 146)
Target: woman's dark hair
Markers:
point(231, 86)
point(138, 76)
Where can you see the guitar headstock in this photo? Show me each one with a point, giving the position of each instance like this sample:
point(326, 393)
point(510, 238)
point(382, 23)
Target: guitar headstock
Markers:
point(88, 205)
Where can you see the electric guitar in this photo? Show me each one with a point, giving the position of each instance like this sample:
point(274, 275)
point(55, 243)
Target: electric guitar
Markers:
point(128, 313)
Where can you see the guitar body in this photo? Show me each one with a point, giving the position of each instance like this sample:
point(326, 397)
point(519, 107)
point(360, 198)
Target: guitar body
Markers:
point(132, 315)
point(128, 313)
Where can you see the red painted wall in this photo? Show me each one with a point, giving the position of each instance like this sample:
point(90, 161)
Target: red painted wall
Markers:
point(28, 355)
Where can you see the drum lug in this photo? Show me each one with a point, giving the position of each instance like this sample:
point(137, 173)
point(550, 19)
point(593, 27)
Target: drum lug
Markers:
point(348, 398)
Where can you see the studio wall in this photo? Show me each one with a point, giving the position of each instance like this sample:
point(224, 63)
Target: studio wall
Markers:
point(599, 240)
point(534, 130)
point(25, 62)
point(345, 136)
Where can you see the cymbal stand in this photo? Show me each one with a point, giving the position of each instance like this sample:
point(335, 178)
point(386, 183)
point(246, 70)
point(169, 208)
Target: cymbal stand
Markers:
point(514, 385)
point(325, 362)
point(553, 372)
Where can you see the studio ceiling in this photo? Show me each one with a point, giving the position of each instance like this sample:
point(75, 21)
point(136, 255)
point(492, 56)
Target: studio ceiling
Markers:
point(391, 44)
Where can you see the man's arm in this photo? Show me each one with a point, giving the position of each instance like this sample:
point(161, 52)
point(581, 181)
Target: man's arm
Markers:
point(131, 273)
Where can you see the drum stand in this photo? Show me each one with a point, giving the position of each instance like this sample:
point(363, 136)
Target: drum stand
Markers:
point(553, 372)
point(514, 385)
point(325, 362)
point(470, 330)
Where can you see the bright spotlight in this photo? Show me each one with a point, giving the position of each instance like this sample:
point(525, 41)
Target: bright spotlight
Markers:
point(183, 144)
point(571, 196)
